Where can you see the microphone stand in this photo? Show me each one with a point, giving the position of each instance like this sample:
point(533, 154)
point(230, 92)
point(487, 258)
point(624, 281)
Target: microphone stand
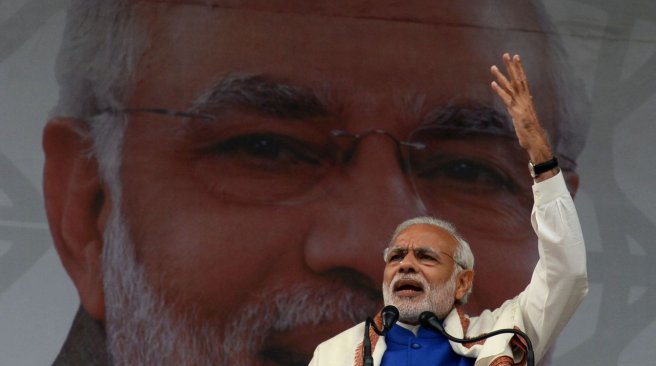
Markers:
point(390, 315)
point(430, 320)
point(367, 360)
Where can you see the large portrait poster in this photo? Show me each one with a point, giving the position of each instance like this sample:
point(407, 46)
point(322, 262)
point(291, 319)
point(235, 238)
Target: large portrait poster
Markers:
point(220, 178)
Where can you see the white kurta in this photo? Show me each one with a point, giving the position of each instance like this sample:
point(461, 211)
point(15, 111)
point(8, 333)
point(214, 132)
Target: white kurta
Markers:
point(558, 285)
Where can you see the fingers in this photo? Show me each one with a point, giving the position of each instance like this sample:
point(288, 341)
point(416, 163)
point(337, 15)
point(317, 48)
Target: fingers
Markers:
point(508, 87)
point(501, 79)
point(512, 70)
point(502, 86)
point(515, 72)
point(507, 98)
point(520, 73)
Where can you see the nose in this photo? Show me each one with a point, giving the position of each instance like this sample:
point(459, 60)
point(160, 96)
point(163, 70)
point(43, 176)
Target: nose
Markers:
point(408, 264)
point(355, 222)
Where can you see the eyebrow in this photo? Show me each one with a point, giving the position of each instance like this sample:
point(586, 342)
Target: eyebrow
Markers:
point(263, 95)
point(397, 249)
point(468, 119)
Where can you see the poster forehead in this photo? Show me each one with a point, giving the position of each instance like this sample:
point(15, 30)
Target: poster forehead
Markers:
point(373, 56)
point(481, 13)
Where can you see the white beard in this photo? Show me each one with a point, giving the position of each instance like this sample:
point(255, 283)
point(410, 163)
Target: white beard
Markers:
point(142, 329)
point(438, 299)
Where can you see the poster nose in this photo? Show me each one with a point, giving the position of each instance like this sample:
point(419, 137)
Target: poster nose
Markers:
point(355, 223)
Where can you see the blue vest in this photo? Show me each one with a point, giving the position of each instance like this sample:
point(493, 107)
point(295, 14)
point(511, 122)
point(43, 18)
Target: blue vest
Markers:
point(427, 348)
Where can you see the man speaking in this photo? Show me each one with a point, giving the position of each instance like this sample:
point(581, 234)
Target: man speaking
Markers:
point(429, 267)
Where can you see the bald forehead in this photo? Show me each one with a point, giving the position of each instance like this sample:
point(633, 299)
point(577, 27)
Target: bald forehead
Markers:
point(515, 14)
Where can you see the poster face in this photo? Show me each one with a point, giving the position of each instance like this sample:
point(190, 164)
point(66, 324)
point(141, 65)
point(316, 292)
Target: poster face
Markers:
point(237, 168)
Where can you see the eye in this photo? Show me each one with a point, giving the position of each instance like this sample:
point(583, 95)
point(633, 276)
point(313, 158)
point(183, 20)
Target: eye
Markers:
point(395, 257)
point(463, 173)
point(426, 257)
point(269, 151)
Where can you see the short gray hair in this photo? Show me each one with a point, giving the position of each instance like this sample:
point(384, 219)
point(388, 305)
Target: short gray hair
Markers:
point(101, 46)
point(463, 254)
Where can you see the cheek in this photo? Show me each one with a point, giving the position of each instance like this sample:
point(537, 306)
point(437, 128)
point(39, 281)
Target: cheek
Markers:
point(503, 269)
point(388, 275)
point(203, 254)
point(197, 250)
point(437, 275)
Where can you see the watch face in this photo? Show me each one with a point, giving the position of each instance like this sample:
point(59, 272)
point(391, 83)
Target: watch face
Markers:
point(531, 169)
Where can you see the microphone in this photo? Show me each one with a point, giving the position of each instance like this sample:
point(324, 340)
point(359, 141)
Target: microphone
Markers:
point(429, 320)
point(389, 315)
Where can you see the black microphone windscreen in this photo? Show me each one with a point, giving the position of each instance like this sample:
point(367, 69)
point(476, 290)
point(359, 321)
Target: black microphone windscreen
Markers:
point(390, 315)
point(429, 319)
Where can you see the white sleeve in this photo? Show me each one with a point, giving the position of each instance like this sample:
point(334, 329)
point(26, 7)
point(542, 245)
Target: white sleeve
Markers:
point(559, 282)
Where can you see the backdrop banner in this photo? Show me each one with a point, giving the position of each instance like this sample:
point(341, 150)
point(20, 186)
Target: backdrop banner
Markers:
point(237, 165)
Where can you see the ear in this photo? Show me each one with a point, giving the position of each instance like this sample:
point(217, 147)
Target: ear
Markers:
point(77, 207)
point(572, 181)
point(464, 282)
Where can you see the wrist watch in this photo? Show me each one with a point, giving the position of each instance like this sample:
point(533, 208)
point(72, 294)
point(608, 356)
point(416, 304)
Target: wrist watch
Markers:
point(538, 169)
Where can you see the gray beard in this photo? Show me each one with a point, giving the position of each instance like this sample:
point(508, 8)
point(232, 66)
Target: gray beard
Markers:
point(143, 330)
point(436, 298)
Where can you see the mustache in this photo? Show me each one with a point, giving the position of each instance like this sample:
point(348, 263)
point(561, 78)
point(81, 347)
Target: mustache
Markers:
point(136, 312)
point(309, 303)
point(409, 277)
point(305, 304)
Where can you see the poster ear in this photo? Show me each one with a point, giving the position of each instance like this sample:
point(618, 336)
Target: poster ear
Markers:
point(572, 181)
point(77, 207)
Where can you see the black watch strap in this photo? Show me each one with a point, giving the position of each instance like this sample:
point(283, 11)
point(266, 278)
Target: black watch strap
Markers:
point(538, 169)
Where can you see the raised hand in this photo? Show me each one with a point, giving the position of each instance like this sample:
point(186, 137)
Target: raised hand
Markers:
point(515, 94)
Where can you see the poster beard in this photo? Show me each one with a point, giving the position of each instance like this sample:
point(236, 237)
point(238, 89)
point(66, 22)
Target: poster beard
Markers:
point(142, 329)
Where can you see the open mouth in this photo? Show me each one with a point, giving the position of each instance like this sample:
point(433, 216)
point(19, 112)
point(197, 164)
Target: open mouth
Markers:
point(408, 288)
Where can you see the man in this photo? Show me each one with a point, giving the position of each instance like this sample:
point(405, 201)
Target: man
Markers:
point(215, 170)
point(429, 267)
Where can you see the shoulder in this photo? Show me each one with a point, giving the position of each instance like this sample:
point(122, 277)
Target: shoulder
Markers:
point(350, 336)
point(339, 349)
point(85, 344)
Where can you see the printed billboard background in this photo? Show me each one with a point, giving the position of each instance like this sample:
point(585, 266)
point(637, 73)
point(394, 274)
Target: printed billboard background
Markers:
point(612, 47)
